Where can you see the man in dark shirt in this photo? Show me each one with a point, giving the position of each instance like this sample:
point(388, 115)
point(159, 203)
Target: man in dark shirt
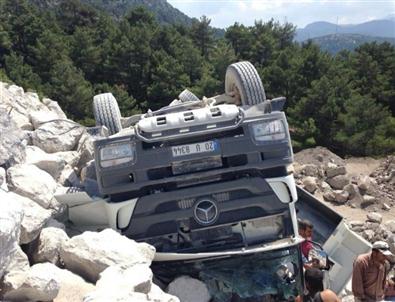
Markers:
point(370, 272)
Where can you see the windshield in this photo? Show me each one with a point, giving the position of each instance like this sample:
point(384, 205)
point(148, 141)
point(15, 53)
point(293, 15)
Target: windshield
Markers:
point(275, 273)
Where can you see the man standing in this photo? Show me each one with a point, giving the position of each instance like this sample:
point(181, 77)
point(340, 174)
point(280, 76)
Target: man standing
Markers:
point(370, 272)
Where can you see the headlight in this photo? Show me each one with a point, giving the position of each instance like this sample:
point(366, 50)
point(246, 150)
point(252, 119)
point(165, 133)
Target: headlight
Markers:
point(117, 154)
point(269, 131)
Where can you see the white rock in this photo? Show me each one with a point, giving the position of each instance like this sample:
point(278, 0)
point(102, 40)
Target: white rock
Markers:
point(390, 225)
point(352, 190)
point(120, 296)
point(368, 235)
point(70, 157)
point(88, 171)
point(54, 108)
point(136, 278)
point(356, 223)
point(341, 196)
point(85, 149)
point(49, 245)
point(16, 90)
point(90, 253)
point(48, 162)
point(57, 136)
point(3, 180)
point(374, 217)
point(39, 285)
point(332, 170)
point(53, 223)
point(311, 170)
point(325, 186)
point(364, 183)
point(39, 118)
point(71, 287)
point(32, 182)
point(368, 200)
point(34, 219)
point(310, 184)
point(15, 272)
point(68, 177)
point(157, 295)
point(188, 289)
point(12, 141)
point(329, 195)
point(11, 215)
point(338, 182)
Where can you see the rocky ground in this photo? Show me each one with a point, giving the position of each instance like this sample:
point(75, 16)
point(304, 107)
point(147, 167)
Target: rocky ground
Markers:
point(42, 153)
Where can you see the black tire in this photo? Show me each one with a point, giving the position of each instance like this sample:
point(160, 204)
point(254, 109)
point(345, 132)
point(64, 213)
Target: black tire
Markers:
point(106, 112)
point(242, 79)
point(187, 96)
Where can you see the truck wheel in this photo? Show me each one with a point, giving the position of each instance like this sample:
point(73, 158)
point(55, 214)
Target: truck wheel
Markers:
point(242, 81)
point(106, 112)
point(187, 96)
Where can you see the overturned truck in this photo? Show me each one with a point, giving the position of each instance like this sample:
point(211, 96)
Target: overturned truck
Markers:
point(209, 183)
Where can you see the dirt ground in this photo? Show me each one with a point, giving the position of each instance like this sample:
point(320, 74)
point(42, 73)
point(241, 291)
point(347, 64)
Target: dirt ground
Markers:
point(354, 167)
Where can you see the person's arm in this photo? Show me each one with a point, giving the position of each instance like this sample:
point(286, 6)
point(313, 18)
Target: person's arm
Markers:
point(357, 280)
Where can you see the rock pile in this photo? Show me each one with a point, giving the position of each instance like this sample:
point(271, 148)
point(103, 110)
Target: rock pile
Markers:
point(43, 153)
point(324, 174)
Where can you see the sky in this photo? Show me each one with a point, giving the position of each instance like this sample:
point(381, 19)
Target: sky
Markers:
point(224, 13)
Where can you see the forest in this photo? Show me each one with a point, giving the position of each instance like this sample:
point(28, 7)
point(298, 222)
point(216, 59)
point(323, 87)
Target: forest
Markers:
point(344, 102)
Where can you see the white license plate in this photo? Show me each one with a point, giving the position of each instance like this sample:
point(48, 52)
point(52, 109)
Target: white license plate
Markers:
point(209, 146)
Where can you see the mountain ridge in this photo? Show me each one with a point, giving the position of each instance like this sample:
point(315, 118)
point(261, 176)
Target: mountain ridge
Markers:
point(384, 28)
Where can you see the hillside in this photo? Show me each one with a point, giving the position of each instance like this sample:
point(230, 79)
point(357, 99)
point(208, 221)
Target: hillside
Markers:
point(374, 28)
point(164, 12)
point(337, 42)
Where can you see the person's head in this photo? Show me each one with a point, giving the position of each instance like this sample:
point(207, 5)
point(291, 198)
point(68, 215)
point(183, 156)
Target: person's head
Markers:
point(328, 296)
point(381, 251)
point(313, 278)
point(305, 229)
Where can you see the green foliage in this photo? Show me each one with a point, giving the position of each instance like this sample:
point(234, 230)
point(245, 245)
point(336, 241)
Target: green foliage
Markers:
point(365, 127)
point(71, 51)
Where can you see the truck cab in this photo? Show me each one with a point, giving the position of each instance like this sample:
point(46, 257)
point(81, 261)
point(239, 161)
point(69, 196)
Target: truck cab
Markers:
point(209, 184)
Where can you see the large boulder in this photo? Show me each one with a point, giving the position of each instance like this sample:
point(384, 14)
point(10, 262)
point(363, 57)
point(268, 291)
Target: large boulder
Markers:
point(54, 108)
point(57, 136)
point(34, 219)
point(338, 182)
point(332, 170)
point(85, 149)
point(11, 215)
point(71, 286)
point(15, 272)
point(374, 217)
point(48, 162)
point(188, 289)
point(38, 285)
point(91, 253)
point(12, 141)
point(32, 182)
point(39, 118)
point(49, 245)
point(310, 184)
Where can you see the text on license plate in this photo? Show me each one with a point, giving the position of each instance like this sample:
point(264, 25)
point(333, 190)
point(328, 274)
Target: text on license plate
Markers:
point(209, 146)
